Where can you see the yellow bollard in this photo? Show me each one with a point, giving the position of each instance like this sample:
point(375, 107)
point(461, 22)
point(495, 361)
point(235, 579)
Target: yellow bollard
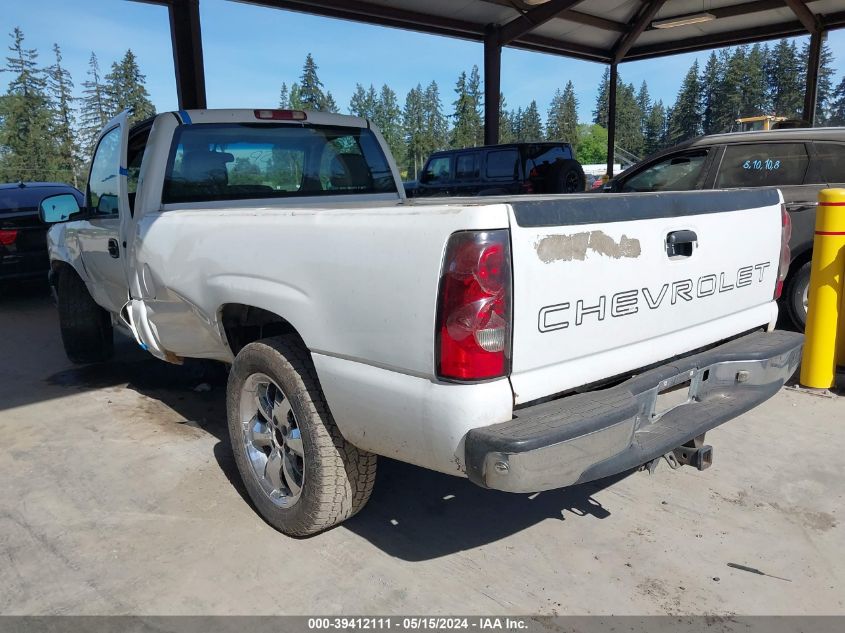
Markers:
point(818, 365)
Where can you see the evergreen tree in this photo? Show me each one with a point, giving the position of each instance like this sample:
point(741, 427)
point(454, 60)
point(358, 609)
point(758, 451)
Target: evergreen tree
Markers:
point(629, 134)
point(655, 129)
point(284, 97)
point(518, 124)
point(554, 118)
point(363, 102)
point(413, 122)
point(644, 105)
point(754, 100)
point(94, 110)
point(506, 134)
point(531, 129)
point(468, 127)
point(295, 98)
point(388, 118)
point(729, 94)
point(125, 89)
point(711, 79)
point(310, 91)
point(562, 120)
point(686, 114)
point(785, 84)
point(329, 104)
point(600, 113)
point(436, 124)
point(824, 91)
point(836, 112)
point(27, 142)
point(59, 87)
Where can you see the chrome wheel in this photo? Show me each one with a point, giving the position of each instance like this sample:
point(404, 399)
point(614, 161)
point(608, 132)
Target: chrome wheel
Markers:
point(806, 298)
point(272, 440)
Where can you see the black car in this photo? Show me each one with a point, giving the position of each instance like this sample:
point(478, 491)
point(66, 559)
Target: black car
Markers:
point(500, 169)
point(23, 236)
point(799, 162)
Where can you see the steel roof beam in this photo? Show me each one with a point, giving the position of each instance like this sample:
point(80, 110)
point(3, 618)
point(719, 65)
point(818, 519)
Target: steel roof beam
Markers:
point(531, 19)
point(639, 24)
point(803, 13)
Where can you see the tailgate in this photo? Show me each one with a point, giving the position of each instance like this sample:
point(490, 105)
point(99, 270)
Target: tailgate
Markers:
point(596, 293)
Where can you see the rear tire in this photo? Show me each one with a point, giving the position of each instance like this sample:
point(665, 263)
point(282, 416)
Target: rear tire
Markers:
point(300, 473)
point(570, 178)
point(795, 296)
point(86, 328)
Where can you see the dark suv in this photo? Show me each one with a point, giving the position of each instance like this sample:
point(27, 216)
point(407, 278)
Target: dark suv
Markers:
point(500, 169)
point(23, 236)
point(799, 162)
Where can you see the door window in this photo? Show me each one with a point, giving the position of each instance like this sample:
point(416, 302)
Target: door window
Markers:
point(502, 163)
point(466, 167)
point(439, 169)
point(678, 172)
point(763, 165)
point(831, 162)
point(102, 182)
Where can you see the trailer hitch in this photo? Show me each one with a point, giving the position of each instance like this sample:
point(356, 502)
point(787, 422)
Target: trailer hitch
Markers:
point(694, 453)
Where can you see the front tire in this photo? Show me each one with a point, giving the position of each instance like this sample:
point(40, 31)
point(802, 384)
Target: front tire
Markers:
point(796, 295)
point(86, 328)
point(300, 473)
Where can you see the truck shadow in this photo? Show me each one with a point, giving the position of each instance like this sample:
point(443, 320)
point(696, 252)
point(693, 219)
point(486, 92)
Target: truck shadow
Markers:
point(417, 514)
point(414, 514)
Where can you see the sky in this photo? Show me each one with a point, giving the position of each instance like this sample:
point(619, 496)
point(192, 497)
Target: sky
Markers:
point(249, 51)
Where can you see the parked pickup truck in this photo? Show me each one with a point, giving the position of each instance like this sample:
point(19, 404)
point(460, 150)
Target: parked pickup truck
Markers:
point(527, 343)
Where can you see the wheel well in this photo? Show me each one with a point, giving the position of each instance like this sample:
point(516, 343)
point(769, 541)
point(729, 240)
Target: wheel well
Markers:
point(800, 260)
point(244, 324)
point(56, 267)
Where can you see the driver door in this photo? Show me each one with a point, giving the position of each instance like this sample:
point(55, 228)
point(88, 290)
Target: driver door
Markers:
point(101, 238)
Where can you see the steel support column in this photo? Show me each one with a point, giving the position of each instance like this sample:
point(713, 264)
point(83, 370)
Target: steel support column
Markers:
point(811, 91)
point(492, 85)
point(611, 117)
point(186, 38)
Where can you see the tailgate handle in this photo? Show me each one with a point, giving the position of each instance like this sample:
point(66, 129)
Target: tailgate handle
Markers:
point(681, 243)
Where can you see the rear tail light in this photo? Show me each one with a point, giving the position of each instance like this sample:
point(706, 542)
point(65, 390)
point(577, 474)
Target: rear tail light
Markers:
point(280, 115)
point(474, 309)
point(8, 236)
point(785, 253)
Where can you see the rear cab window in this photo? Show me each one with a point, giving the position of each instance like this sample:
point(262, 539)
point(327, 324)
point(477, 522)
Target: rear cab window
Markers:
point(762, 165)
point(225, 161)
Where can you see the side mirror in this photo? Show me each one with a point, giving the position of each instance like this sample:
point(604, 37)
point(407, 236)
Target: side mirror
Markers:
point(425, 176)
point(58, 208)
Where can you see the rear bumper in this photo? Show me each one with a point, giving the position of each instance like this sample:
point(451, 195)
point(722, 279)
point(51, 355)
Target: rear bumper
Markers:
point(588, 436)
point(24, 265)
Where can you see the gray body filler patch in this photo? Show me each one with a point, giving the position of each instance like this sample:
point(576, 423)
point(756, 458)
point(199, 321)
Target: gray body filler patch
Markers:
point(598, 208)
point(565, 248)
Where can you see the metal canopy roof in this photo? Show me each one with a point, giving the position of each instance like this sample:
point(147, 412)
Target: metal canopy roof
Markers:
point(609, 31)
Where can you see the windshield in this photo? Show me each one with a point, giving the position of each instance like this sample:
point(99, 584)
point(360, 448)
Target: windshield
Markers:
point(243, 161)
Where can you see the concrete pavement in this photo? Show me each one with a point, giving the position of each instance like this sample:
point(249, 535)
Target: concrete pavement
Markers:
point(118, 494)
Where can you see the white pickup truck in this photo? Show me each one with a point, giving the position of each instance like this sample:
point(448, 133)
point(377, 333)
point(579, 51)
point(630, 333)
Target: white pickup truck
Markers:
point(527, 343)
